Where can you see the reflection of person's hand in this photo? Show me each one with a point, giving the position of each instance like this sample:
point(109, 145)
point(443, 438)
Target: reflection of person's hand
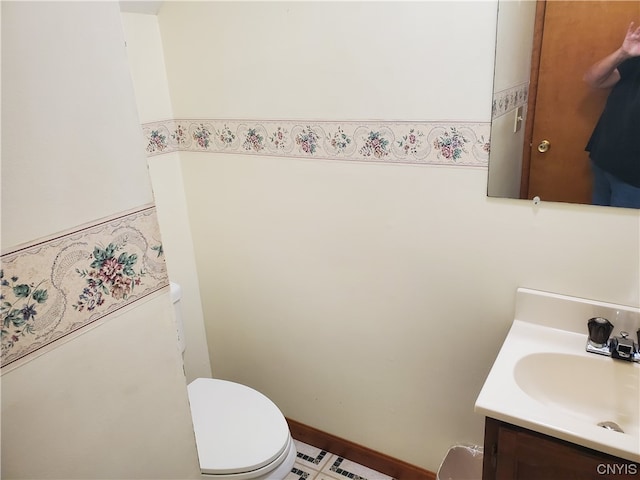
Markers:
point(631, 43)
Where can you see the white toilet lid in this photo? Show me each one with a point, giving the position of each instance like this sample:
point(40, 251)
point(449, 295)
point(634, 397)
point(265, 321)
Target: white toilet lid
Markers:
point(237, 428)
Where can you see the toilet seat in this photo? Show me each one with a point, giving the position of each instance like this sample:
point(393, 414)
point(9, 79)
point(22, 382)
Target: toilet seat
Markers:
point(240, 433)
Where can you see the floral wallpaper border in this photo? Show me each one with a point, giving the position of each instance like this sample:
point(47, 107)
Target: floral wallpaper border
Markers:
point(508, 99)
point(54, 288)
point(423, 143)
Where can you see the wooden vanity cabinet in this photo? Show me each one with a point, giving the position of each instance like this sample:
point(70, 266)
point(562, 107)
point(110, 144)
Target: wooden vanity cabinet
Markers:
point(512, 453)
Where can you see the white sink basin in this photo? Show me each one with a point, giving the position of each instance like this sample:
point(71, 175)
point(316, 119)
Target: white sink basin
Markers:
point(590, 389)
point(544, 380)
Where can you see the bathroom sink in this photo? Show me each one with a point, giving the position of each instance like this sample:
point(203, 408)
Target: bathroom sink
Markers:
point(544, 380)
point(590, 389)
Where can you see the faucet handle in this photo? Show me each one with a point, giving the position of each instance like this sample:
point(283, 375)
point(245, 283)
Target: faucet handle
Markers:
point(599, 331)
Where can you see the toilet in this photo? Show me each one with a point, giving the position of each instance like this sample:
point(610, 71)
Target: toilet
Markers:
point(240, 433)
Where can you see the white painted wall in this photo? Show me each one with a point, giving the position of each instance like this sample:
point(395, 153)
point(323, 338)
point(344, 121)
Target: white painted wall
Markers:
point(331, 60)
point(148, 72)
point(112, 402)
point(514, 43)
point(367, 300)
point(370, 300)
point(52, 117)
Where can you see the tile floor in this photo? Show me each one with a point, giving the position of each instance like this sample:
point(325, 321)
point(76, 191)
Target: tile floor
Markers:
point(316, 464)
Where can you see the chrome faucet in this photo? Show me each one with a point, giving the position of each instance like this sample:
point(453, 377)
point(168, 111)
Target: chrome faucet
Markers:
point(600, 341)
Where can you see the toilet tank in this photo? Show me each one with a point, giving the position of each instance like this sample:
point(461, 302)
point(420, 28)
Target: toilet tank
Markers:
point(176, 300)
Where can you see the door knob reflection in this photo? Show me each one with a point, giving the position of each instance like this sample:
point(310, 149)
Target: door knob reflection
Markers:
point(544, 146)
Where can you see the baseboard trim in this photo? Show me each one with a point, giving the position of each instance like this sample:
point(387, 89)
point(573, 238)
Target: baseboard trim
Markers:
point(393, 467)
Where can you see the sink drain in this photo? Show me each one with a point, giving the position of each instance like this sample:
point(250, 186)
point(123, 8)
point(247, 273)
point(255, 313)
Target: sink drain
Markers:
point(611, 426)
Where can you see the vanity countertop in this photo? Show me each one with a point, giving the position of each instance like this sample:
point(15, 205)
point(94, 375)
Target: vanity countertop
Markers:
point(544, 380)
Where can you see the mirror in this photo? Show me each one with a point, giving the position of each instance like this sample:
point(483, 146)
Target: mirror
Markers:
point(543, 112)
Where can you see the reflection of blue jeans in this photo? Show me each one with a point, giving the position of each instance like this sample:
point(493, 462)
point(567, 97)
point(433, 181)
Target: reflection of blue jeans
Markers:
point(611, 191)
